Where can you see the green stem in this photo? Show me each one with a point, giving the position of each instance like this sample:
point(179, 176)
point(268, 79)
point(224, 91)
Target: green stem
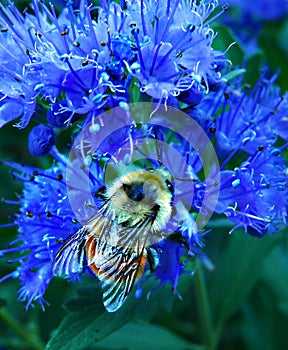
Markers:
point(30, 339)
point(204, 311)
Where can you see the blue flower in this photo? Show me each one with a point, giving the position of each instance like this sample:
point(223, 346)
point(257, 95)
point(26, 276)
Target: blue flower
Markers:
point(50, 56)
point(17, 95)
point(174, 48)
point(170, 264)
point(77, 63)
point(245, 125)
point(41, 140)
point(255, 194)
point(250, 120)
point(44, 220)
point(242, 118)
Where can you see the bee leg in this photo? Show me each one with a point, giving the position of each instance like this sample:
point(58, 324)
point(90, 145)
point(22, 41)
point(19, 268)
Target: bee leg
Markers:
point(101, 193)
point(152, 258)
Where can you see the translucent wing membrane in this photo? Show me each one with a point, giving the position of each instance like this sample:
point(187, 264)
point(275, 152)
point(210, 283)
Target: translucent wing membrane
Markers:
point(116, 291)
point(71, 256)
point(115, 254)
point(118, 266)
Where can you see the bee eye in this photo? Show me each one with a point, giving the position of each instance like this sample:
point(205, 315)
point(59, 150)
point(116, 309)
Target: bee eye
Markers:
point(134, 191)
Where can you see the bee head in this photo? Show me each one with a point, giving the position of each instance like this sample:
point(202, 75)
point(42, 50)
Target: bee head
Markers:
point(142, 189)
point(140, 194)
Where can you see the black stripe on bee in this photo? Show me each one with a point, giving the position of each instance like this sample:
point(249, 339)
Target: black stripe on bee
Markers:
point(170, 188)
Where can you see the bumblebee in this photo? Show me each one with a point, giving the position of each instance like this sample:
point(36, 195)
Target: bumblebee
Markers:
point(116, 242)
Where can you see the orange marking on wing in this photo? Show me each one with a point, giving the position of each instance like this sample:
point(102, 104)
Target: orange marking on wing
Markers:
point(94, 269)
point(139, 261)
point(90, 249)
point(141, 266)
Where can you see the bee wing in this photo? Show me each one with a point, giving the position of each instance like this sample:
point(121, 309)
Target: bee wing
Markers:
point(116, 291)
point(71, 256)
point(116, 254)
point(118, 267)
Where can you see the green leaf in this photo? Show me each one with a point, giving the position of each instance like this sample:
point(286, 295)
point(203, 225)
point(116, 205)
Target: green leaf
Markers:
point(134, 91)
point(82, 328)
point(90, 322)
point(239, 267)
point(142, 337)
point(77, 304)
point(88, 295)
point(233, 74)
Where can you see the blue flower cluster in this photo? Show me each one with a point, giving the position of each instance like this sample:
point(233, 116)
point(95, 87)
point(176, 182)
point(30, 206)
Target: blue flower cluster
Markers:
point(86, 60)
point(247, 125)
point(79, 67)
point(45, 217)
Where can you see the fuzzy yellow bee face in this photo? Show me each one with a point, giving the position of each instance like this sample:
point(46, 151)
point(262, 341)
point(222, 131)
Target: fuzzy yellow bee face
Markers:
point(139, 194)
